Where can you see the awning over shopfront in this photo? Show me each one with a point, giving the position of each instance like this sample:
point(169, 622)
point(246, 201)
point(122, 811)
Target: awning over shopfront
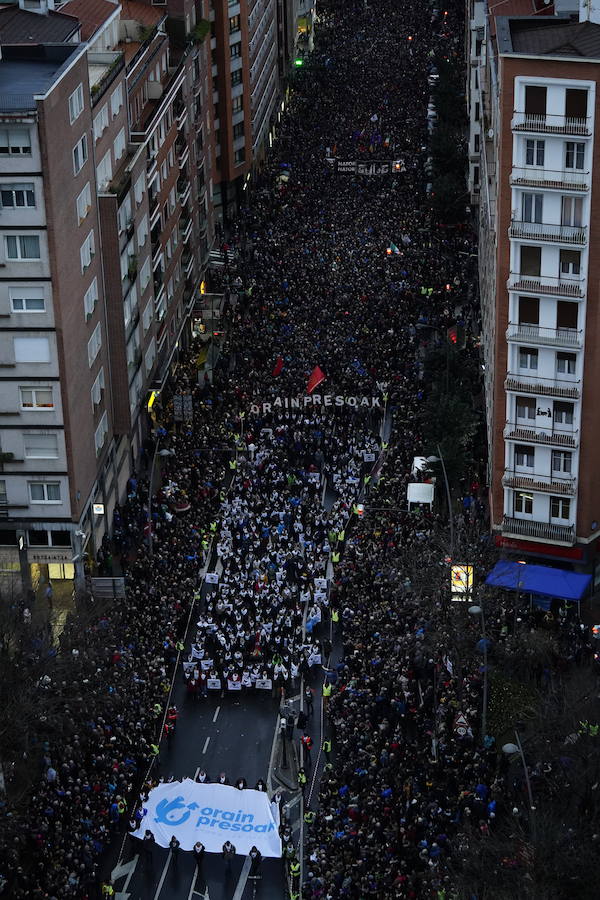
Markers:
point(541, 581)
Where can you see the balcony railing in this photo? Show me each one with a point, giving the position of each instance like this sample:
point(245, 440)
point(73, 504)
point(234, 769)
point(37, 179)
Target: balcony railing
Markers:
point(541, 531)
point(183, 153)
point(539, 334)
point(545, 231)
point(551, 123)
point(514, 431)
point(184, 189)
point(547, 484)
point(542, 387)
point(562, 180)
point(186, 229)
point(561, 286)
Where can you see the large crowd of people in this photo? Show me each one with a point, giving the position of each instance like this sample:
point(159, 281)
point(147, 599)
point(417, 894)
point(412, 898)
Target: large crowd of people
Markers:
point(334, 270)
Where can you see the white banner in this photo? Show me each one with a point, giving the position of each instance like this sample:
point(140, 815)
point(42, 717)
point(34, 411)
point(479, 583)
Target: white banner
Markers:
point(213, 684)
point(213, 814)
point(264, 684)
point(211, 578)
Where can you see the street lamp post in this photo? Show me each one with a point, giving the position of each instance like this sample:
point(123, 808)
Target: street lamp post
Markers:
point(510, 749)
point(478, 611)
point(440, 459)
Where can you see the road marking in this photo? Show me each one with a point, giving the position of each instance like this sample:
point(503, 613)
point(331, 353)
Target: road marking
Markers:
point(163, 876)
point(239, 891)
point(197, 772)
point(121, 870)
point(206, 743)
point(272, 757)
point(217, 711)
point(193, 887)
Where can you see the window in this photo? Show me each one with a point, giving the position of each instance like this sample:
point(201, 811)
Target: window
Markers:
point(94, 344)
point(101, 432)
point(119, 145)
point(523, 503)
point(562, 461)
point(44, 492)
point(237, 104)
point(570, 262)
point(15, 142)
point(104, 171)
point(36, 398)
point(27, 299)
point(86, 252)
point(172, 201)
point(145, 275)
point(566, 363)
point(101, 122)
point(531, 261)
point(142, 232)
point(97, 388)
point(535, 100)
point(524, 456)
point(234, 24)
point(525, 408)
point(236, 77)
point(563, 413)
point(150, 356)
point(560, 508)
point(238, 130)
point(528, 358)
point(32, 349)
point(40, 446)
point(3, 494)
point(147, 316)
point(576, 102)
point(476, 143)
point(574, 154)
point(80, 154)
point(116, 100)
point(571, 212)
point(22, 246)
point(531, 207)
point(84, 203)
point(76, 103)
point(529, 311)
point(139, 189)
point(17, 195)
point(236, 50)
point(90, 299)
point(534, 152)
point(239, 156)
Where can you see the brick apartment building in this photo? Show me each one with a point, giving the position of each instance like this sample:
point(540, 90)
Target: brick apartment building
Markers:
point(533, 108)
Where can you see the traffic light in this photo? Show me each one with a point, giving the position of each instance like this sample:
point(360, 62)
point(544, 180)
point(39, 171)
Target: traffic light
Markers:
point(457, 336)
point(298, 61)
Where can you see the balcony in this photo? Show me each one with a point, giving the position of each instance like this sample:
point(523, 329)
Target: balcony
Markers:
point(561, 286)
point(104, 67)
point(183, 189)
point(550, 179)
point(572, 235)
point(542, 387)
point(541, 531)
point(549, 337)
point(551, 123)
point(181, 115)
point(183, 152)
point(547, 484)
point(186, 228)
point(187, 261)
point(549, 437)
point(151, 166)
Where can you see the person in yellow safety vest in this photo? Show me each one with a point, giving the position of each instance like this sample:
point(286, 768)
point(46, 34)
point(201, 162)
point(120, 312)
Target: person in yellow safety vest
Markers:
point(122, 806)
point(341, 536)
point(384, 445)
point(309, 817)
point(108, 890)
point(327, 749)
point(367, 479)
point(154, 749)
point(335, 616)
point(326, 690)
point(295, 869)
point(335, 557)
point(301, 779)
point(156, 710)
point(213, 527)
point(233, 464)
point(179, 646)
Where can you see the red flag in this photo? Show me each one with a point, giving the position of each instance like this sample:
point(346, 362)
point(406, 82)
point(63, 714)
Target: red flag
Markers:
point(316, 377)
point(278, 367)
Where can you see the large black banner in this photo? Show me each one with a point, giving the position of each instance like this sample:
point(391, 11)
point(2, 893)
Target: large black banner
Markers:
point(377, 167)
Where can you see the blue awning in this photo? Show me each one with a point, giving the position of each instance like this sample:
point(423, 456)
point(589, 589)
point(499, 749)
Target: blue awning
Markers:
point(542, 580)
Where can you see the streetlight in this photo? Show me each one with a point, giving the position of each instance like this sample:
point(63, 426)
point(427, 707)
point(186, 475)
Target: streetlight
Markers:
point(440, 459)
point(510, 749)
point(478, 611)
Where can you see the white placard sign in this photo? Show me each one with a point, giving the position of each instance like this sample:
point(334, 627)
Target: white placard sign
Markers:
point(264, 684)
point(211, 578)
point(213, 684)
point(212, 813)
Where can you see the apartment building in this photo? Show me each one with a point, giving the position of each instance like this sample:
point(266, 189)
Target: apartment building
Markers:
point(106, 227)
point(539, 281)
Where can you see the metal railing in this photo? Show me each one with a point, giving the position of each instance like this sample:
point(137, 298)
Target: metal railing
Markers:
point(540, 334)
point(516, 431)
point(547, 531)
point(551, 123)
point(546, 231)
point(561, 286)
point(564, 180)
point(543, 387)
point(548, 484)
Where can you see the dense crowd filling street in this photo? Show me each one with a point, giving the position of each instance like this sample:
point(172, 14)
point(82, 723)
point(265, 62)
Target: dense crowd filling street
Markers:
point(333, 274)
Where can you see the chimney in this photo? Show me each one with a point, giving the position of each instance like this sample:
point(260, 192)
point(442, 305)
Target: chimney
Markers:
point(589, 11)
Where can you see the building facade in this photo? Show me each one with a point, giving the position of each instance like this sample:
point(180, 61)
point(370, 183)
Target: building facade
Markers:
point(539, 281)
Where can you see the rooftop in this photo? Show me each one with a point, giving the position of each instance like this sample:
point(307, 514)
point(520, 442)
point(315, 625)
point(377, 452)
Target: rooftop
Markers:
point(19, 26)
point(132, 10)
point(28, 70)
point(91, 13)
point(548, 36)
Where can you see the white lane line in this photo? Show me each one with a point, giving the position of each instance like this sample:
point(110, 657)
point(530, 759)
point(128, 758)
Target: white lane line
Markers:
point(272, 758)
point(217, 711)
point(239, 891)
point(163, 876)
point(193, 886)
point(197, 772)
point(206, 743)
